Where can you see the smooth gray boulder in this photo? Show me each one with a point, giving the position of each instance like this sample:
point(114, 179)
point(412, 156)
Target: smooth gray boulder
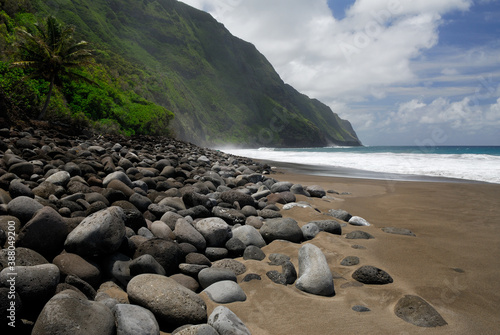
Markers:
point(186, 232)
point(281, 186)
point(60, 178)
point(315, 276)
point(45, 233)
point(249, 236)
point(215, 231)
point(23, 208)
point(226, 322)
point(169, 301)
point(118, 175)
point(418, 312)
point(310, 231)
point(340, 214)
point(209, 276)
point(70, 313)
point(145, 264)
point(73, 264)
point(225, 292)
point(34, 284)
point(281, 229)
point(316, 191)
point(134, 320)
point(253, 252)
point(101, 233)
point(329, 226)
point(204, 329)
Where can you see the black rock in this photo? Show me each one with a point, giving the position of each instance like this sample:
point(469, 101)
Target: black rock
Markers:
point(368, 274)
point(253, 252)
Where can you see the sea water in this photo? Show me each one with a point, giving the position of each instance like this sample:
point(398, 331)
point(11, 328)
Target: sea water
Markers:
point(475, 163)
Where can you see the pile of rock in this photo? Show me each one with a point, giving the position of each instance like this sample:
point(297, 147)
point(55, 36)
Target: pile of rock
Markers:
point(117, 235)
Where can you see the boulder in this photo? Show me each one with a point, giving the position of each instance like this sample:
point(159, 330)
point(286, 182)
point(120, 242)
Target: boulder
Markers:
point(340, 214)
point(418, 312)
point(350, 261)
point(215, 231)
point(368, 274)
point(281, 186)
point(329, 226)
point(170, 302)
point(230, 215)
point(237, 267)
point(186, 232)
point(134, 320)
point(234, 196)
point(209, 276)
point(287, 276)
point(118, 175)
point(281, 229)
point(249, 236)
point(73, 264)
point(145, 264)
point(70, 313)
point(315, 276)
point(310, 231)
point(60, 178)
point(225, 292)
point(253, 252)
point(167, 253)
point(101, 233)
point(45, 233)
point(359, 235)
point(358, 221)
point(226, 322)
point(316, 191)
point(204, 329)
point(23, 208)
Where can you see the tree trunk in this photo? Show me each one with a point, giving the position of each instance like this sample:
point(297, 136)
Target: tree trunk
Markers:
point(47, 100)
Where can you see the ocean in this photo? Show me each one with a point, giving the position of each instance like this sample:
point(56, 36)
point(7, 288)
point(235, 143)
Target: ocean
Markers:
point(458, 163)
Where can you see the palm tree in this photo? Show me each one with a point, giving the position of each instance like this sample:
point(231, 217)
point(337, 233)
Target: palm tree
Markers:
point(52, 52)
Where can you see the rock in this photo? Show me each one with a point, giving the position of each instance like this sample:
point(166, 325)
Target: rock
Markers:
point(145, 264)
point(23, 256)
point(209, 276)
point(170, 302)
point(249, 236)
point(81, 285)
point(116, 266)
point(17, 189)
point(235, 246)
point(225, 292)
point(249, 211)
point(215, 254)
point(359, 235)
point(350, 261)
point(191, 269)
point(281, 186)
point(73, 264)
point(22, 169)
point(196, 330)
point(237, 267)
point(368, 274)
point(215, 231)
point(361, 309)
point(253, 252)
point(186, 232)
point(254, 221)
point(101, 233)
point(167, 253)
point(358, 221)
point(418, 312)
point(186, 281)
point(278, 259)
point(119, 175)
point(34, 284)
point(398, 231)
point(196, 258)
point(23, 208)
point(269, 214)
point(329, 226)
point(299, 190)
point(60, 178)
point(250, 277)
point(281, 229)
point(310, 231)
point(45, 233)
point(315, 276)
point(161, 230)
point(316, 191)
point(231, 216)
point(134, 320)
point(141, 202)
point(287, 276)
point(234, 196)
point(226, 322)
point(340, 214)
point(69, 312)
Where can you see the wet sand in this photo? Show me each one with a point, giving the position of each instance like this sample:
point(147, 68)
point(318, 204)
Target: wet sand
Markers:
point(453, 262)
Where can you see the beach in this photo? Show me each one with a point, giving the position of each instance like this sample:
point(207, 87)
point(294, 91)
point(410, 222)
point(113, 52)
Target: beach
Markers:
point(452, 263)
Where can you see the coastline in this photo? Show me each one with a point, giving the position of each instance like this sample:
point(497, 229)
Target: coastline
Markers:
point(452, 263)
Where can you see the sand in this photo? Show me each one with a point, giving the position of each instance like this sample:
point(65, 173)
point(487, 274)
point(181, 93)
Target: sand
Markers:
point(453, 262)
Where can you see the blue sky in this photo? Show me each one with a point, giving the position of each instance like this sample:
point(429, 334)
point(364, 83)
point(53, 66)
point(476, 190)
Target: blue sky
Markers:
point(404, 72)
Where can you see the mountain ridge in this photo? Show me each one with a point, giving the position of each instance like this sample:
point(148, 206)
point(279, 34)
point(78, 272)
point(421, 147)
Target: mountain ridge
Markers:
point(221, 89)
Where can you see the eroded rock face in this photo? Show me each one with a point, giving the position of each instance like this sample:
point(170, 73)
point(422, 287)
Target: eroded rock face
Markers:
point(418, 312)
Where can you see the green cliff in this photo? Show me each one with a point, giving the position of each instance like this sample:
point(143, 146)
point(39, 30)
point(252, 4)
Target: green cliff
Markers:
point(220, 88)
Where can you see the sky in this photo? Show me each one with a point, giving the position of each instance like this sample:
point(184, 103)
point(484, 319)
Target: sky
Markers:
point(403, 72)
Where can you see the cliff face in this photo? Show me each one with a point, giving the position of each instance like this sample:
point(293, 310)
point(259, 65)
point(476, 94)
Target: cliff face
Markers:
point(221, 89)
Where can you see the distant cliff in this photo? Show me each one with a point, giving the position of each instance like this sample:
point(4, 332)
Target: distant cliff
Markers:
point(220, 88)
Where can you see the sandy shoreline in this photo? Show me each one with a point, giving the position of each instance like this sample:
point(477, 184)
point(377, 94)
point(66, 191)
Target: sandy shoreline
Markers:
point(453, 262)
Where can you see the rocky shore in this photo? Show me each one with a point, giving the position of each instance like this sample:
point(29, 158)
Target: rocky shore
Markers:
point(113, 235)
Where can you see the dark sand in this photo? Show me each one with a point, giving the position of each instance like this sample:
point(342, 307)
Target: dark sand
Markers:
point(453, 263)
